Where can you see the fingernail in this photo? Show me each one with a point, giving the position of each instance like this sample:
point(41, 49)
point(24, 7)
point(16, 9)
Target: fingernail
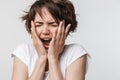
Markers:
point(69, 25)
point(31, 29)
point(63, 21)
point(32, 23)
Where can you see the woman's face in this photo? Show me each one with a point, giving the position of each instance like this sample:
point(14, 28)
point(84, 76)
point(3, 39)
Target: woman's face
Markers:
point(45, 27)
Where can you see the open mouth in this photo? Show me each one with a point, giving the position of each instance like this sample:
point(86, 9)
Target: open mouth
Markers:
point(46, 42)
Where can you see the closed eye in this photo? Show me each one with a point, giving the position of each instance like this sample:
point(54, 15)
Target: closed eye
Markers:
point(38, 24)
point(54, 24)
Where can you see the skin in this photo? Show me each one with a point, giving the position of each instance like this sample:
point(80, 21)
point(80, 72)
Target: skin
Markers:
point(48, 55)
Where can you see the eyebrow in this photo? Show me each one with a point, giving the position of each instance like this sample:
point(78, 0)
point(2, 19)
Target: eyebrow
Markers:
point(39, 22)
point(51, 22)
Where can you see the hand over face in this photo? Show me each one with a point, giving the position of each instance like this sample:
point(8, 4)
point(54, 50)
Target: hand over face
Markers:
point(57, 43)
point(37, 42)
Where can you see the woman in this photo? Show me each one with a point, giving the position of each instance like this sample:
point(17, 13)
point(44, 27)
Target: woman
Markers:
point(47, 57)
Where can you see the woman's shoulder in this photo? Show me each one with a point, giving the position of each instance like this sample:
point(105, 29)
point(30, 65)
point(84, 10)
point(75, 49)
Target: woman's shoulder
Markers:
point(25, 45)
point(74, 46)
point(73, 51)
point(22, 52)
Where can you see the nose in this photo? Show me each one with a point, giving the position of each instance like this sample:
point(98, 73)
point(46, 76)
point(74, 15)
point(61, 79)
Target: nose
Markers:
point(46, 30)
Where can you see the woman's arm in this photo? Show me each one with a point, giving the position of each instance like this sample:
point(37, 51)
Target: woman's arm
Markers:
point(20, 70)
point(76, 70)
point(39, 70)
point(54, 70)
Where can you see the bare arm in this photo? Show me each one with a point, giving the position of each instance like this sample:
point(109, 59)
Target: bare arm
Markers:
point(54, 70)
point(76, 70)
point(38, 72)
point(20, 70)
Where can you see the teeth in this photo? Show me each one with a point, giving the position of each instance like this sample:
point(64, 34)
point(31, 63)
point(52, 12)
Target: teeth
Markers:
point(46, 39)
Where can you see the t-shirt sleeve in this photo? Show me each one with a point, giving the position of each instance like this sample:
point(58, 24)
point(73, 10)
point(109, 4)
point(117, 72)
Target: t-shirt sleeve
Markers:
point(76, 51)
point(22, 53)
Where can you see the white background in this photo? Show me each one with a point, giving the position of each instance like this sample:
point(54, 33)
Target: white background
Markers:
point(98, 31)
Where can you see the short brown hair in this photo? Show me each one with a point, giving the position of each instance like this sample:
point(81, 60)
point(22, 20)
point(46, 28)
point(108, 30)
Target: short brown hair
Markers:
point(59, 9)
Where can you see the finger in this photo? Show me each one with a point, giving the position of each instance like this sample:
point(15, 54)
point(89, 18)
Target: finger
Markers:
point(62, 33)
point(34, 30)
point(32, 25)
point(67, 30)
point(34, 34)
point(53, 38)
point(59, 31)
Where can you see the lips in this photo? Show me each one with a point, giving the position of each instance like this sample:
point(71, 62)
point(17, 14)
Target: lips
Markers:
point(46, 42)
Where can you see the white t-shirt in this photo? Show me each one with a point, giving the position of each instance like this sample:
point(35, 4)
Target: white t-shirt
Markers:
point(28, 55)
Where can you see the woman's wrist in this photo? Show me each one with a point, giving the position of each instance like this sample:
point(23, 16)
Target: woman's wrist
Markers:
point(42, 59)
point(52, 60)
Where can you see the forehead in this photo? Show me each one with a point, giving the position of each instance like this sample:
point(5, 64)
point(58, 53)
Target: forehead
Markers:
point(44, 16)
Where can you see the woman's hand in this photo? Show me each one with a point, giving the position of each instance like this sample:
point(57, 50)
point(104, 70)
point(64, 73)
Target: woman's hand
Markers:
point(57, 43)
point(37, 42)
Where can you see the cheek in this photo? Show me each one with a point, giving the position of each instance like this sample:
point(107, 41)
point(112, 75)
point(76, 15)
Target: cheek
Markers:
point(38, 30)
point(53, 30)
